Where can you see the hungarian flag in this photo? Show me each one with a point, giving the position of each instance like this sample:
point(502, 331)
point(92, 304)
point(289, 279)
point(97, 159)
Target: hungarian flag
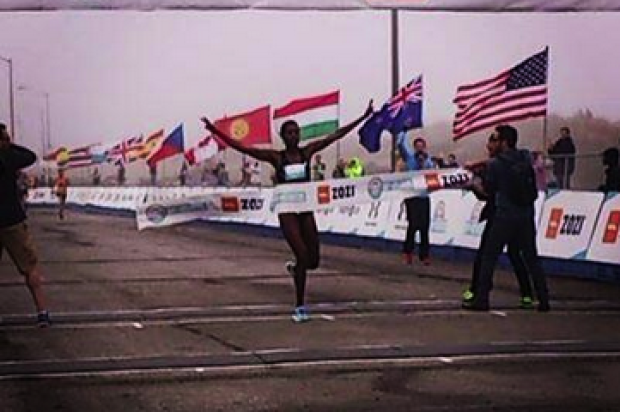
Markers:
point(316, 115)
point(172, 145)
point(249, 128)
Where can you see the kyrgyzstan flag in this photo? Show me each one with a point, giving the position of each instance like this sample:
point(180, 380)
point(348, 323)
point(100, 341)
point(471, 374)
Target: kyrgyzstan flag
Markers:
point(249, 128)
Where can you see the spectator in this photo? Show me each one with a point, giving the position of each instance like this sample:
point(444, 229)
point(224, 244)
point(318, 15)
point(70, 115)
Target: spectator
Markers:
point(255, 172)
point(246, 174)
point(96, 177)
point(612, 172)
point(339, 170)
point(562, 153)
point(451, 163)
point(120, 174)
point(153, 174)
point(538, 163)
point(221, 174)
point(418, 208)
point(14, 234)
point(318, 168)
point(183, 174)
point(355, 168)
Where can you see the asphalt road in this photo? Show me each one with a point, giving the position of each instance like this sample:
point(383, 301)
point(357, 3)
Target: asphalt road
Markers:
point(197, 318)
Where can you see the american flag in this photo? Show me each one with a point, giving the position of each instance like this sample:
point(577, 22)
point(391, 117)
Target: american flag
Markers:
point(515, 94)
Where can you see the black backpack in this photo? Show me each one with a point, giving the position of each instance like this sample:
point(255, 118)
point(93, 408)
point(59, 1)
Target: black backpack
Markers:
point(521, 190)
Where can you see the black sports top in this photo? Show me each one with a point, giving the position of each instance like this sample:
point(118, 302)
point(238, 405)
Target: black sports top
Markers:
point(288, 172)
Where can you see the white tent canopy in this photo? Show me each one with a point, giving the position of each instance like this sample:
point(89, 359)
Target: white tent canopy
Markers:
point(428, 5)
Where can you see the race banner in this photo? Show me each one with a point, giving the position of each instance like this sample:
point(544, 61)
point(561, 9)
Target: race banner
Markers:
point(567, 224)
point(300, 197)
point(605, 243)
point(242, 203)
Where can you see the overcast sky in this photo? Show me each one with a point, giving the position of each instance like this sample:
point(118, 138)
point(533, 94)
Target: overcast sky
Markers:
point(116, 74)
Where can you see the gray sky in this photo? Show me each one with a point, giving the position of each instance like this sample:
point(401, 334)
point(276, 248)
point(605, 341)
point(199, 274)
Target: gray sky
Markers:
point(115, 74)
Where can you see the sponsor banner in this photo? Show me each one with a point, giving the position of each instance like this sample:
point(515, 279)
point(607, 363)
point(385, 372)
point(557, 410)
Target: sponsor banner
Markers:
point(396, 226)
point(470, 230)
point(170, 212)
point(325, 219)
point(428, 5)
point(605, 243)
point(447, 216)
point(311, 196)
point(375, 217)
point(306, 197)
point(41, 196)
point(567, 223)
point(348, 219)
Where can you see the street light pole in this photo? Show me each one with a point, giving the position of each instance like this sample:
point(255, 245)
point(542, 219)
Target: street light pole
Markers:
point(46, 122)
point(9, 62)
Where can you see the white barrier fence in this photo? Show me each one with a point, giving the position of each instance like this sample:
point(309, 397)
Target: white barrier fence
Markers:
point(571, 225)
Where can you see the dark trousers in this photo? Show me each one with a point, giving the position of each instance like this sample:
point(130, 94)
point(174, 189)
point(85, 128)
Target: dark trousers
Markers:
point(516, 260)
point(519, 233)
point(418, 218)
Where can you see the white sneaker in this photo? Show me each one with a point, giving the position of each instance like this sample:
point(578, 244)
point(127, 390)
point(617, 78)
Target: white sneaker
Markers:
point(290, 267)
point(300, 315)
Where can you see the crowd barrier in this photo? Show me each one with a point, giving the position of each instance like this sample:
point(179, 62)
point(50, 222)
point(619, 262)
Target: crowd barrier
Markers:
point(572, 226)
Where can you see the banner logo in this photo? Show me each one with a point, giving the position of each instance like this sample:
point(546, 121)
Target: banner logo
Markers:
point(230, 204)
point(323, 194)
point(375, 187)
point(156, 213)
point(432, 181)
point(612, 227)
point(555, 218)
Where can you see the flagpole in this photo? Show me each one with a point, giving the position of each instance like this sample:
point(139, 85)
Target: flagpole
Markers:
point(338, 141)
point(544, 141)
point(395, 77)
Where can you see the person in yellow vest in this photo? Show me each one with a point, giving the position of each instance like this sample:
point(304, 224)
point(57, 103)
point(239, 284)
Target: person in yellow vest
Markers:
point(355, 168)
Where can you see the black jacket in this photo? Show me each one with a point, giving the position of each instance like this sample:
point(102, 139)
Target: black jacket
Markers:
point(12, 159)
point(497, 182)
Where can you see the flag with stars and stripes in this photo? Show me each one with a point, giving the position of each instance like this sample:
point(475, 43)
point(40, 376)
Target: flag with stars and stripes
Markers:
point(512, 95)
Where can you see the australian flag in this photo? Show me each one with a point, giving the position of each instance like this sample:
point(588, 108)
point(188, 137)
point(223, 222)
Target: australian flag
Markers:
point(402, 112)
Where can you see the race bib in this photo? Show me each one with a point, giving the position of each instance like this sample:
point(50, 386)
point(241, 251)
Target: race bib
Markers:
point(295, 171)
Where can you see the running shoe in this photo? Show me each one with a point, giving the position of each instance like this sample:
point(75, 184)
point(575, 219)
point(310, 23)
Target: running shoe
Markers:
point(526, 302)
point(290, 267)
point(468, 295)
point(43, 319)
point(300, 315)
point(426, 261)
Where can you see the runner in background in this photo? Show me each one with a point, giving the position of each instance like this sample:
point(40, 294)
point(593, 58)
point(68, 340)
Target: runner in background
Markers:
point(61, 185)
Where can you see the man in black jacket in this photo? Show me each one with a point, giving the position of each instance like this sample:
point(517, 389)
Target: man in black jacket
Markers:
point(14, 235)
point(488, 212)
point(563, 155)
point(513, 221)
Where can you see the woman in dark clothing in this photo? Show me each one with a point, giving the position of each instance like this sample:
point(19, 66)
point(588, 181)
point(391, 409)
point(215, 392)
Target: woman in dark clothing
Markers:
point(292, 165)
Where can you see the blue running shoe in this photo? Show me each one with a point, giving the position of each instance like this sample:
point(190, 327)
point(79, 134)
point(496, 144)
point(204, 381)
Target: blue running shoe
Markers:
point(300, 315)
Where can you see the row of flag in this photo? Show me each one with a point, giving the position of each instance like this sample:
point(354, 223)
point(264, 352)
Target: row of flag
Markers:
point(514, 94)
